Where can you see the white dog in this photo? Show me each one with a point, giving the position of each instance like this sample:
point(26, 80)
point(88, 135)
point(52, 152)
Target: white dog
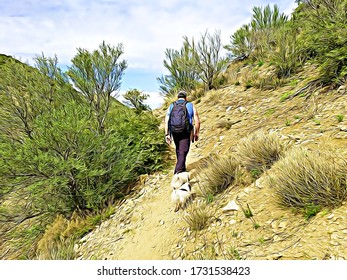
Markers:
point(181, 190)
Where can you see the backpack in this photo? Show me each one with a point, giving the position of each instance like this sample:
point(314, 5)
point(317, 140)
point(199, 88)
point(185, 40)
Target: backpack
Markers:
point(178, 121)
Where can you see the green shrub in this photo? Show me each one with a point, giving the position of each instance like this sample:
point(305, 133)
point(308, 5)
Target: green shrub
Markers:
point(285, 96)
point(60, 152)
point(340, 118)
point(323, 36)
point(287, 57)
point(311, 210)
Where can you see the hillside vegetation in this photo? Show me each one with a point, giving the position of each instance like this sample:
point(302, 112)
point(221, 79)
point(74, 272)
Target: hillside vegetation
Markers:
point(83, 176)
point(281, 162)
point(65, 152)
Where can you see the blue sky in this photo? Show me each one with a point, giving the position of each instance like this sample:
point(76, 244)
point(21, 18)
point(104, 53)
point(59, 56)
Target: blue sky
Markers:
point(145, 28)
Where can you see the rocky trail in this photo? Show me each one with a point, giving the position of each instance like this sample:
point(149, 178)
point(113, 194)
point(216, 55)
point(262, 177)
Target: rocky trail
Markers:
point(145, 227)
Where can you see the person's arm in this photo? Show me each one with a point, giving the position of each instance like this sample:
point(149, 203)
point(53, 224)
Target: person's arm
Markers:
point(196, 124)
point(167, 133)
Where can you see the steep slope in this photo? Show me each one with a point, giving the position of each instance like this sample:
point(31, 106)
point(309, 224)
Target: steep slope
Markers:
point(145, 226)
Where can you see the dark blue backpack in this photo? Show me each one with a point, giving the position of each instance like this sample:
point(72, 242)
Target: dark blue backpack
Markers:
point(179, 121)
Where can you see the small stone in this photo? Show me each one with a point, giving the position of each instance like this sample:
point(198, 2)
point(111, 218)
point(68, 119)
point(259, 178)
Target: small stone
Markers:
point(231, 206)
point(282, 225)
point(242, 109)
point(274, 224)
point(343, 128)
point(76, 247)
point(258, 184)
point(336, 236)
point(342, 89)
point(276, 238)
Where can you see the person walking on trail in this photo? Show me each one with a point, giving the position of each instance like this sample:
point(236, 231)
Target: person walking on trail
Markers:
point(182, 124)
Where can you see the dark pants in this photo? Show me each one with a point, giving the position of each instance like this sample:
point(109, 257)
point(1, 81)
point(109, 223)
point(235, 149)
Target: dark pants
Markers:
point(182, 143)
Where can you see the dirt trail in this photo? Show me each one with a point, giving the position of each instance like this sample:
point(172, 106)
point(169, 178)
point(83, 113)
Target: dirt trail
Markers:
point(144, 228)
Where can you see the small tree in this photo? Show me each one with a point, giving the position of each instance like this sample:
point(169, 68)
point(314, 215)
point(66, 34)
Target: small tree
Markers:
point(26, 94)
point(135, 98)
point(97, 75)
point(257, 38)
point(53, 158)
point(208, 60)
point(183, 74)
point(242, 44)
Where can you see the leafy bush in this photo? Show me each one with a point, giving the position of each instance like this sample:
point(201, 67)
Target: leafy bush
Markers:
point(63, 150)
point(68, 165)
point(182, 70)
point(309, 179)
point(135, 98)
point(323, 36)
point(287, 56)
point(194, 64)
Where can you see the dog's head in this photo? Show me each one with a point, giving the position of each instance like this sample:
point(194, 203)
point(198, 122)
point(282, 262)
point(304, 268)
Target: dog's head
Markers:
point(179, 179)
point(186, 187)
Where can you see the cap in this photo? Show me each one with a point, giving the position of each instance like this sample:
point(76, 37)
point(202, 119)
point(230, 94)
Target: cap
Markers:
point(182, 94)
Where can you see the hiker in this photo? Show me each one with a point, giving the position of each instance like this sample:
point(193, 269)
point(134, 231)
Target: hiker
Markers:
point(182, 130)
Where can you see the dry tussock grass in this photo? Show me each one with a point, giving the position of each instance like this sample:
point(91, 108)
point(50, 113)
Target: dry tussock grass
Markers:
point(304, 178)
point(258, 151)
point(213, 97)
point(59, 238)
point(197, 93)
point(197, 216)
point(217, 173)
point(168, 100)
point(50, 244)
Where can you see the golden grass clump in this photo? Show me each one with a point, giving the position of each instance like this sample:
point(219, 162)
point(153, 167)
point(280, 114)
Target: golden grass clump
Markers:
point(197, 216)
point(304, 178)
point(57, 243)
point(217, 173)
point(258, 151)
point(50, 244)
point(59, 238)
point(214, 97)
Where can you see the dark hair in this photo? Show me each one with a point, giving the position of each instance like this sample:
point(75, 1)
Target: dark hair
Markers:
point(182, 94)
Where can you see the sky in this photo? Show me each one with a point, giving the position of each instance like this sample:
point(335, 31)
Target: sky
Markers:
point(145, 28)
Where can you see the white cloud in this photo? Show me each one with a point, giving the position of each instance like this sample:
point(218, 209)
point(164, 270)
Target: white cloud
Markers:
point(145, 28)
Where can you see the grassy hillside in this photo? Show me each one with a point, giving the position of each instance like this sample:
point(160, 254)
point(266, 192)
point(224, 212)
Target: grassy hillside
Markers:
point(278, 154)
